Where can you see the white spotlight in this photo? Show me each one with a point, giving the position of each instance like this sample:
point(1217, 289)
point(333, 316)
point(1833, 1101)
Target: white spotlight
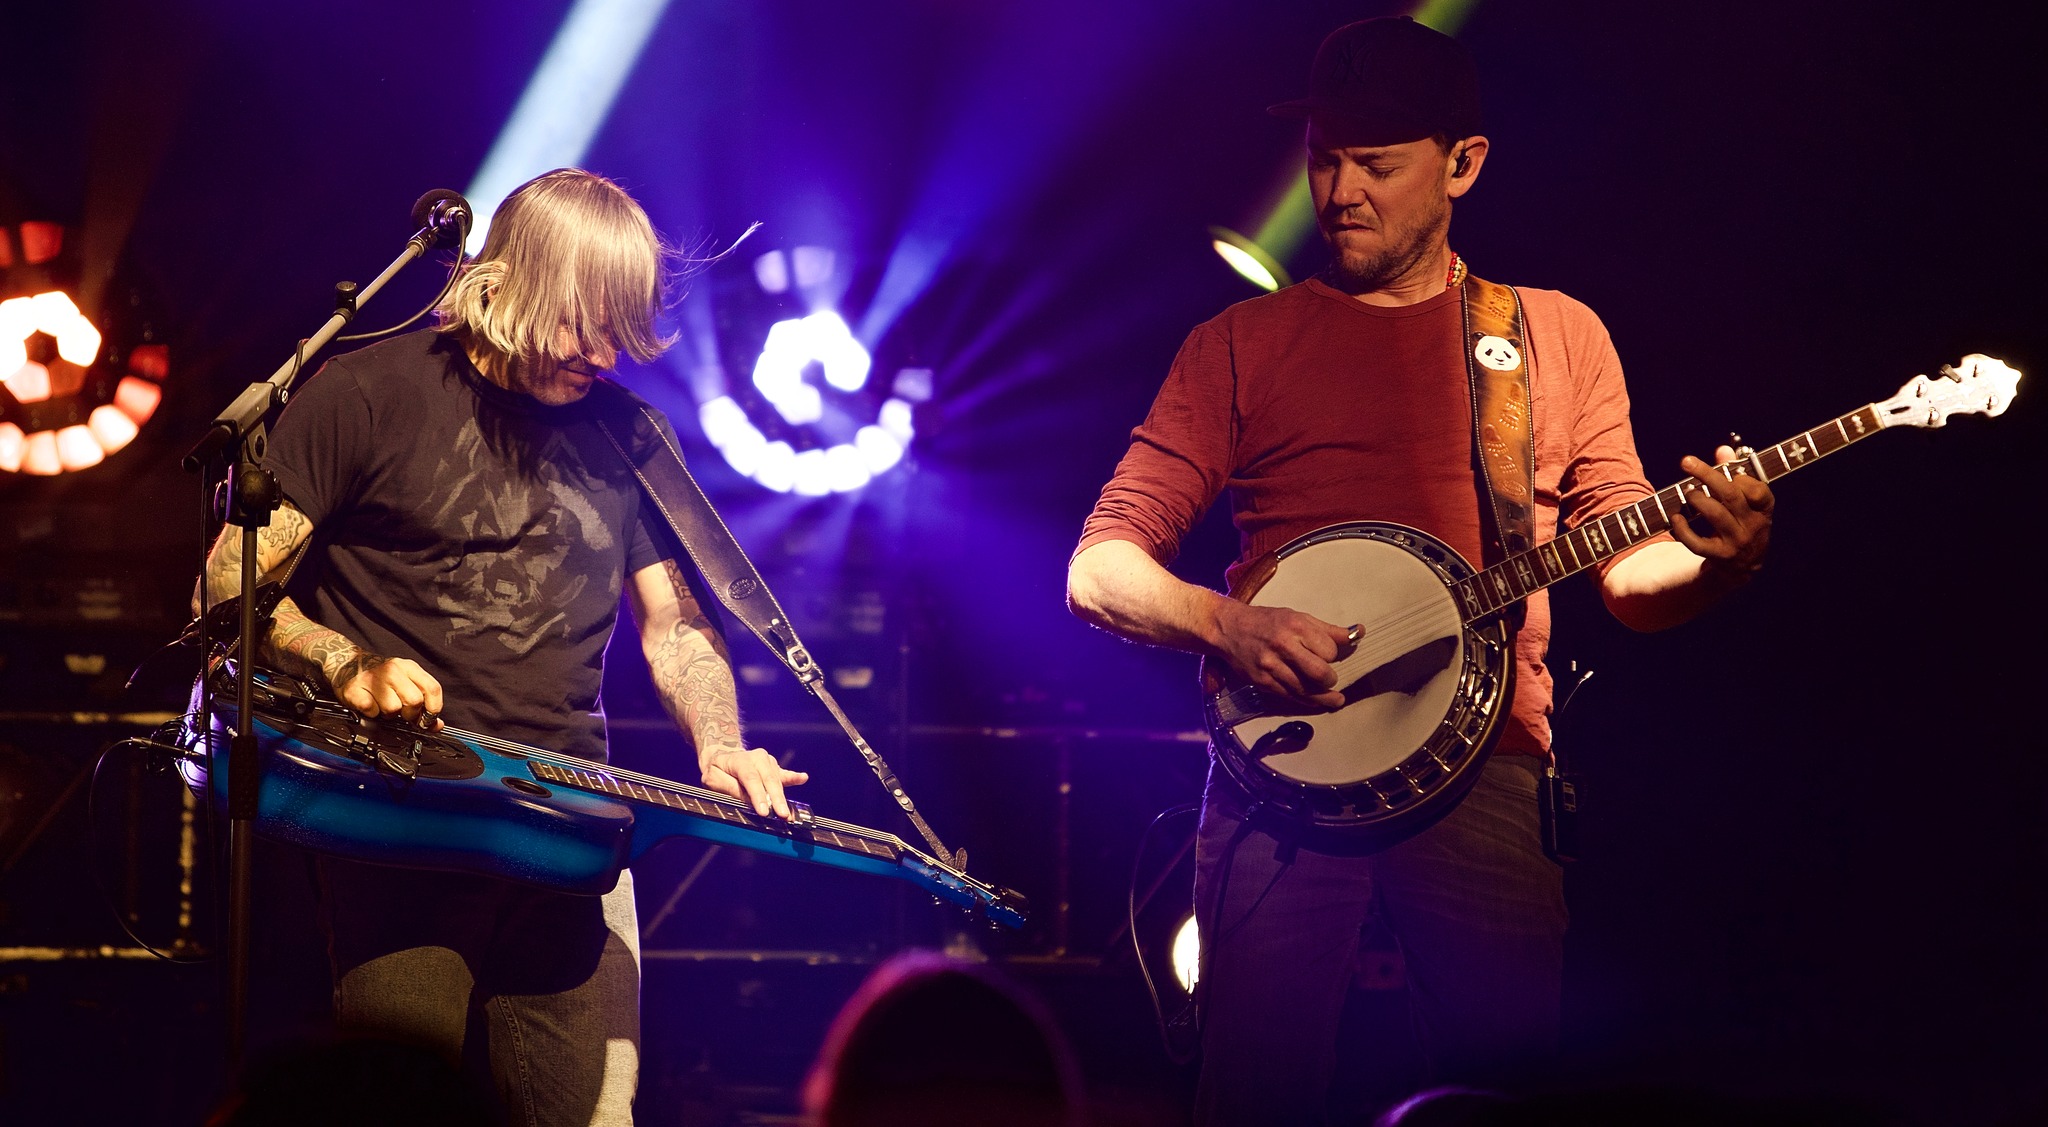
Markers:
point(1187, 954)
point(566, 100)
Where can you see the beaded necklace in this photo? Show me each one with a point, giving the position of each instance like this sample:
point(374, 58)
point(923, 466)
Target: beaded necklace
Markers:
point(1456, 277)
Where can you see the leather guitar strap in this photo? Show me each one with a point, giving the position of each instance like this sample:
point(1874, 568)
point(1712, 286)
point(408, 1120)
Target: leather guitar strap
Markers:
point(658, 465)
point(1497, 369)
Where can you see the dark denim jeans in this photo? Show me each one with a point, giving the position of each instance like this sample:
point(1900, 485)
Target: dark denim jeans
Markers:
point(552, 980)
point(1478, 911)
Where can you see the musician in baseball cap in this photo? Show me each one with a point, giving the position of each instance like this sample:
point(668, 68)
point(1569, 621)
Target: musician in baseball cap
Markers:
point(1394, 387)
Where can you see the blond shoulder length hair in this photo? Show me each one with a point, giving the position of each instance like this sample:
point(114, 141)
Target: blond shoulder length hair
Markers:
point(567, 249)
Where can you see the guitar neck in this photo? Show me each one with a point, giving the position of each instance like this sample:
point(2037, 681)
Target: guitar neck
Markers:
point(715, 807)
point(1523, 574)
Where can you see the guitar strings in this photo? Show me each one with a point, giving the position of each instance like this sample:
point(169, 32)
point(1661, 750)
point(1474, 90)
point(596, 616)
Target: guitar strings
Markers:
point(575, 762)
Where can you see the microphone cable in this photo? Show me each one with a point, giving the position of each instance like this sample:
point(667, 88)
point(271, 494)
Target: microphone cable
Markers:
point(1174, 1031)
point(454, 271)
point(158, 743)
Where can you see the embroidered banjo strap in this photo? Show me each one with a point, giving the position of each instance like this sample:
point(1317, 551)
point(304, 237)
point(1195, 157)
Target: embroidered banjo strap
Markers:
point(1497, 368)
point(658, 466)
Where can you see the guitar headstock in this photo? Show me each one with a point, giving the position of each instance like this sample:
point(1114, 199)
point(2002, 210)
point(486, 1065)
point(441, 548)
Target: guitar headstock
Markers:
point(1978, 385)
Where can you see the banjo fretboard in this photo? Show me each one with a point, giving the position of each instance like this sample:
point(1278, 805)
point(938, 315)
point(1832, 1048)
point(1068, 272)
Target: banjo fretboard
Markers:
point(1525, 573)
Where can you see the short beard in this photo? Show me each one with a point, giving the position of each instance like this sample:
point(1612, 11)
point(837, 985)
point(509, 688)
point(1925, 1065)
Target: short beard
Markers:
point(1358, 274)
point(549, 390)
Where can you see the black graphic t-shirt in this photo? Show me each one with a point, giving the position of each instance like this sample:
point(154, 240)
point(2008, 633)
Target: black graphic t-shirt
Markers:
point(472, 529)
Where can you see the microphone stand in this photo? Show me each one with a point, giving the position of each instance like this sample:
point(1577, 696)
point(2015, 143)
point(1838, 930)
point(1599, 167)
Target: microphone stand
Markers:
point(252, 499)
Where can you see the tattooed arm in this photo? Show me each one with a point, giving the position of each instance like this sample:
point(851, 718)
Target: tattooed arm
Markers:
point(275, 542)
point(693, 675)
point(369, 683)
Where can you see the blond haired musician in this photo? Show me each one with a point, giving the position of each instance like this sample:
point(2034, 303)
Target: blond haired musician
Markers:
point(472, 535)
point(1345, 398)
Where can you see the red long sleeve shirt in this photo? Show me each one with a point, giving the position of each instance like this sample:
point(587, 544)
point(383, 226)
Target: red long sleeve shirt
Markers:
point(1313, 408)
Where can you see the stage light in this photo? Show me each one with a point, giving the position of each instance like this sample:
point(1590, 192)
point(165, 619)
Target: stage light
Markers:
point(137, 398)
point(879, 448)
point(1446, 16)
point(17, 320)
point(814, 372)
point(45, 330)
point(792, 347)
point(845, 362)
point(30, 383)
point(846, 469)
point(1187, 954)
point(913, 384)
point(77, 449)
point(54, 313)
point(39, 455)
point(777, 470)
point(771, 272)
point(724, 421)
point(779, 373)
point(54, 366)
point(895, 418)
point(111, 428)
point(814, 474)
point(812, 266)
point(1246, 257)
point(566, 101)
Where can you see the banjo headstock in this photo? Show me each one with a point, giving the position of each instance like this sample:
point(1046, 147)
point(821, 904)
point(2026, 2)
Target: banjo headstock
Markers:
point(1978, 385)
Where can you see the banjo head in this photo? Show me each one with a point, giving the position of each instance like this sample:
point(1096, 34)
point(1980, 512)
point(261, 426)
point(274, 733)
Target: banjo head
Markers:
point(1425, 691)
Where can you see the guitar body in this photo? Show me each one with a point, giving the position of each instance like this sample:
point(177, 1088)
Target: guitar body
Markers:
point(390, 794)
point(1426, 693)
point(325, 789)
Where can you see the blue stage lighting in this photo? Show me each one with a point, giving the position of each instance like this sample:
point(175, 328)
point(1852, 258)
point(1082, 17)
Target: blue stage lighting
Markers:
point(771, 272)
point(792, 346)
point(566, 100)
point(913, 384)
point(878, 448)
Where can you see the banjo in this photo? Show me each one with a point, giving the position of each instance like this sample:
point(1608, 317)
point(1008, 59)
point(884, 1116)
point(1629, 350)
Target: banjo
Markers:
point(1429, 675)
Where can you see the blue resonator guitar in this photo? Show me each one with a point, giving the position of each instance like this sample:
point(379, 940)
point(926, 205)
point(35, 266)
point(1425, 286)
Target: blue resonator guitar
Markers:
point(390, 793)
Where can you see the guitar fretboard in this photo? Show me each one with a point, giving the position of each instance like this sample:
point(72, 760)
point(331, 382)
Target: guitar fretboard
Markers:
point(1525, 573)
point(832, 835)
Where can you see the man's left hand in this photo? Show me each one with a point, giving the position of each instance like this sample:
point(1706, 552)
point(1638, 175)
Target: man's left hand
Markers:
point(752, 775)
point(1737, 514)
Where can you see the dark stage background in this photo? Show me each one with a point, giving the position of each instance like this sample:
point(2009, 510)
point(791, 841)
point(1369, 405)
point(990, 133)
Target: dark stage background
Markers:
point(1814, 851)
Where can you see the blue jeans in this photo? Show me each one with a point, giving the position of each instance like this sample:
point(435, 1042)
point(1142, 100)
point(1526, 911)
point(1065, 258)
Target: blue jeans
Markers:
point(1476, 906)
point(551, 980)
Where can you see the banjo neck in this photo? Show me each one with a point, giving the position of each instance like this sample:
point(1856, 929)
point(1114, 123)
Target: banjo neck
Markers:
point(1525, 573)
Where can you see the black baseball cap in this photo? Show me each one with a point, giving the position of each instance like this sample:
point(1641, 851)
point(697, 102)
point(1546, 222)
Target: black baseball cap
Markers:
point(1398, 79)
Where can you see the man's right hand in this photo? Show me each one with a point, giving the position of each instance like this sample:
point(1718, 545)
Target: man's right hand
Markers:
point(1284, 652)
point(388, 686)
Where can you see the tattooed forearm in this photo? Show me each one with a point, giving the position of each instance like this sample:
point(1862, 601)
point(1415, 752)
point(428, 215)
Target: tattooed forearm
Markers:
point(274, 544)
point(298, 644)
point(287, 526)
point(223, 576)
point(693, 674)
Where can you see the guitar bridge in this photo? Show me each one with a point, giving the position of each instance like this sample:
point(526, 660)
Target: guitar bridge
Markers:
point(405, 766)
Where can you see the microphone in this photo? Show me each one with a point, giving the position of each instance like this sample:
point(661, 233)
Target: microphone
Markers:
point(444, 211)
